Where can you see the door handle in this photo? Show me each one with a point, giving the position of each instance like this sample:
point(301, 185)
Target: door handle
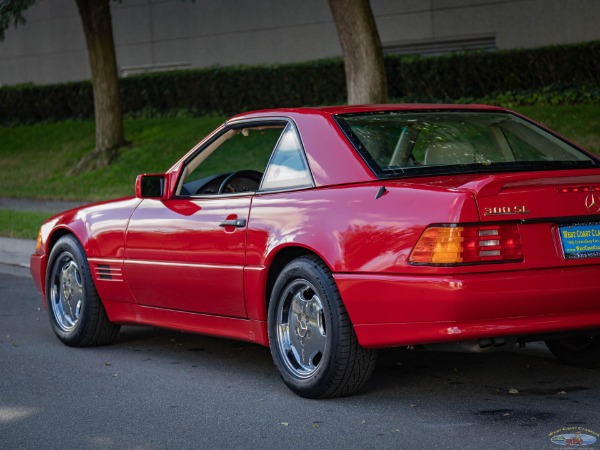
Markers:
point(238, 223)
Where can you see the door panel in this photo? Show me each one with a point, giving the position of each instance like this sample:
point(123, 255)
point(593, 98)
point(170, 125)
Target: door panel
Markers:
point(181, 254)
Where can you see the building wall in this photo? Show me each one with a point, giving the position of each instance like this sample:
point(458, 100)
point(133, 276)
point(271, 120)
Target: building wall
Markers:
point(153, 35)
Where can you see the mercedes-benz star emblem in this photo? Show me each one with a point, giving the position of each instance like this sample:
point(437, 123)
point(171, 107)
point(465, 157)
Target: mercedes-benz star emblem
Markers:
point(592, 203)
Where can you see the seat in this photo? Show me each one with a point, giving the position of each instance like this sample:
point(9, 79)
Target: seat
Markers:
point(444, 153)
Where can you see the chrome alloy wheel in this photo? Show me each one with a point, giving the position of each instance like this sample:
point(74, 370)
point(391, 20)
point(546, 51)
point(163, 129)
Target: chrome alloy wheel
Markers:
point(66, 292)
point(301, 330)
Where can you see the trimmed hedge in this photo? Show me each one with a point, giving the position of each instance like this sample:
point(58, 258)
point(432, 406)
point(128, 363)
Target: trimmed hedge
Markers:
point(29, 103)
point(228, 90)
point(479, 74)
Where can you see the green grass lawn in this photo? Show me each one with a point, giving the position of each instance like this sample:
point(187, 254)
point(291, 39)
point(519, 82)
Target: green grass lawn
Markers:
point(35, 159)
point(21, 224)
point(579, 123)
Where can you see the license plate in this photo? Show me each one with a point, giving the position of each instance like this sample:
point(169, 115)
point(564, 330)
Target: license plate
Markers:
point(580, 241)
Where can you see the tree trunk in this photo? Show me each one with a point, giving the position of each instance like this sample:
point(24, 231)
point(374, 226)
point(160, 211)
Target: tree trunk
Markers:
point(97, 27)
point(366, 79)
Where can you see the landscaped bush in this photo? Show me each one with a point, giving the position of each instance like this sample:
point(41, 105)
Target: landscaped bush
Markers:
point(29, 103)
point(556, 74)
point(229, 90)
point(478, 74)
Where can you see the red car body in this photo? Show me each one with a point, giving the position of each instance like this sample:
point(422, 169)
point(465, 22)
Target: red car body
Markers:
point(169, 262)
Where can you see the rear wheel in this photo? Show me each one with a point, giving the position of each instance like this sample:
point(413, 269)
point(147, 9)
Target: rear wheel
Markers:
point(312, 340)
point(77, 315)
point(581, 352)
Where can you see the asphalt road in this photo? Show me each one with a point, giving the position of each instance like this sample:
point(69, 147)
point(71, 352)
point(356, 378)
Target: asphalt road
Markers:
point(157, 389)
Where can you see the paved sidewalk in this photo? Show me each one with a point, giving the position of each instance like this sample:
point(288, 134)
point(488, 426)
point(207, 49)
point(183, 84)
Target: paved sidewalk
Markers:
point(16, 252)
point(47, 206)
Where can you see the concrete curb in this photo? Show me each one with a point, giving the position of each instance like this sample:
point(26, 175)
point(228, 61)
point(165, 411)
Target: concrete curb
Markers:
point(16, 252)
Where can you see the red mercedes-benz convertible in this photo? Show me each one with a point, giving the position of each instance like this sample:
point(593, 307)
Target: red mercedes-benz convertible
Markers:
point(340, 230)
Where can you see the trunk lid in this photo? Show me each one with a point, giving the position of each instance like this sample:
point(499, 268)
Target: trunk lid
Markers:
point(528, 195)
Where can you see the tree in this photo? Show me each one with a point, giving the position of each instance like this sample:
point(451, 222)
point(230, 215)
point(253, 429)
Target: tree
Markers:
point(110, 137)
point(366, 80)
point(97, 27)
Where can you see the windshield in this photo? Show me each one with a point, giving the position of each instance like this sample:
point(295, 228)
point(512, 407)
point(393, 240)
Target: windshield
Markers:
point(419, 143)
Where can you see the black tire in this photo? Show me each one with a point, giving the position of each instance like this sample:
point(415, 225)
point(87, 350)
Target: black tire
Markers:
point(580, 352)
point(77, 315)
point(306, 313)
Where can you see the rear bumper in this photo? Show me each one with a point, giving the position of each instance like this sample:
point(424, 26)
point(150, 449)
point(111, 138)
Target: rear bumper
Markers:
point(395, 310)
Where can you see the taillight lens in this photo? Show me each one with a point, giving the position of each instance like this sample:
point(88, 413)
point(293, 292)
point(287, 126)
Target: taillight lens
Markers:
point(468, 244)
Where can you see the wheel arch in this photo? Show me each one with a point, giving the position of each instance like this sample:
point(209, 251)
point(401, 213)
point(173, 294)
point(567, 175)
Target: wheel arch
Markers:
point(279, 260)
point(52, 240)
point(62, 225)
point(56, 235)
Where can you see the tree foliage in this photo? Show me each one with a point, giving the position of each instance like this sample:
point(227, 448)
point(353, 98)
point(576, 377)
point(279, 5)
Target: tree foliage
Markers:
point(11, 12)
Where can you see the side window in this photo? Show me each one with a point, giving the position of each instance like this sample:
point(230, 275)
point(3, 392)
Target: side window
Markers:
point(233, 163)
point(287, 168)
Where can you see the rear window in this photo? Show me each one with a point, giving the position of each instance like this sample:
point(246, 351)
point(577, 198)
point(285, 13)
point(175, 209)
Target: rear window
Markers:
point(420, 143)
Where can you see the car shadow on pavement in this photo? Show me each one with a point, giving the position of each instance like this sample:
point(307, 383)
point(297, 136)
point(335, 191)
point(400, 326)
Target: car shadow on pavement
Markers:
point(413, 376)
point(525, 388)
point(187, 349)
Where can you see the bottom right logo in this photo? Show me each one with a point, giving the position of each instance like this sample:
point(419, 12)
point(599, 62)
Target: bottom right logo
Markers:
point(574, 437)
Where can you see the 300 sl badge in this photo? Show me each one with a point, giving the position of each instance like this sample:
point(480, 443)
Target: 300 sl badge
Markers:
point(502, 210)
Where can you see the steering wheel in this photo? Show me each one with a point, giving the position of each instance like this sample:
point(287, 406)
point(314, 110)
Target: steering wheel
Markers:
point(250, 174)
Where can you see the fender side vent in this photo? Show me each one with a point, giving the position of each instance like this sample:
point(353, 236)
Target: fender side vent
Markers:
point(104, 272)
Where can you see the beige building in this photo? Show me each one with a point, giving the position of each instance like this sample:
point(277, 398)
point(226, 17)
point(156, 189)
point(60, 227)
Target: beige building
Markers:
point(154, 35)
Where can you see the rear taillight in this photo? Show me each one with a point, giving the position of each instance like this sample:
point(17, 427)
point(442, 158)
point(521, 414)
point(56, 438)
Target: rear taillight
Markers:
point(468, 244)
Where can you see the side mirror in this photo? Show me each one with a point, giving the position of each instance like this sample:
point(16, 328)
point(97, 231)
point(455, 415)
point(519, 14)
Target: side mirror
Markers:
point(151, 186)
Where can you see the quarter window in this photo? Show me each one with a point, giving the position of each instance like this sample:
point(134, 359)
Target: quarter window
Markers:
point(287, 168)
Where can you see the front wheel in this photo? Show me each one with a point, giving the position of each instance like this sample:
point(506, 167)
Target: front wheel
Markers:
point(77, 315)
point(581, 351)
point(312, 340)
